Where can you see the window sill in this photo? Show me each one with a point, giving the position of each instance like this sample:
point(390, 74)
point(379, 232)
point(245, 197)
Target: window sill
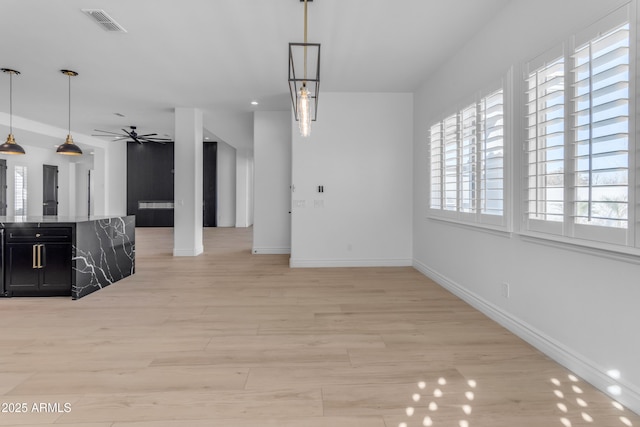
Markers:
point(606, 250)
point(475, 226)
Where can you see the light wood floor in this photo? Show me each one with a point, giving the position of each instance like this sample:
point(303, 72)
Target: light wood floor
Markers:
point(240, 340)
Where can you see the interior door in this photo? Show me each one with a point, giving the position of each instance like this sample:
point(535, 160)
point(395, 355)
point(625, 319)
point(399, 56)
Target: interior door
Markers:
point(209, 156)
point(49, 190)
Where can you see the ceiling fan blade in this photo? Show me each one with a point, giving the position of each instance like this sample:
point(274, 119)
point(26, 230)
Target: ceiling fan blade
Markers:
point(133, 136)
point(105, 131)
point(157, 139)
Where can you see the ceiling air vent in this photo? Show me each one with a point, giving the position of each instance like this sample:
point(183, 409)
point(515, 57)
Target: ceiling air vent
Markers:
point(104, 20)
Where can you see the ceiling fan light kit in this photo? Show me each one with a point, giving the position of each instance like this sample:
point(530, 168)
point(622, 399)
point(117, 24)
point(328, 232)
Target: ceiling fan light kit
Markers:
point(11, 146)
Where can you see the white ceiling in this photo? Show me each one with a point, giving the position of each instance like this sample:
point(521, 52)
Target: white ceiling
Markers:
point(216, 55)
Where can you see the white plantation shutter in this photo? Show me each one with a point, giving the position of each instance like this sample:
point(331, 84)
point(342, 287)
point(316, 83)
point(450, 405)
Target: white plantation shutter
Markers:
point(545, 142)
point(436, 153)
point(600, 102)
point(467, 163)
point(451, 162)
point(468, 159)
point(580, 144)
point(20, 190)
point(491, 115)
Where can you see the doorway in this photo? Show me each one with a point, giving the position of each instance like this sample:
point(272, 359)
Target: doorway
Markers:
point(209, 193)
point(49, 190)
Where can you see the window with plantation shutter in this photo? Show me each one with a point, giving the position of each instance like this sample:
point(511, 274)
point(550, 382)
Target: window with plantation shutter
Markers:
point(600, 104)
point(20, 190)
point(467, 163)
point(579, 146)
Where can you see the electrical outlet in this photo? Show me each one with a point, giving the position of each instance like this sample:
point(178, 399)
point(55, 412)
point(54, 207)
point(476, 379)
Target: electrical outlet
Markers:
point(504, 288)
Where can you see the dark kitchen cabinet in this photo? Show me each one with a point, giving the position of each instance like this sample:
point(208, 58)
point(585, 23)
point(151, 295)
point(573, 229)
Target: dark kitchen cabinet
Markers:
point(38, 262)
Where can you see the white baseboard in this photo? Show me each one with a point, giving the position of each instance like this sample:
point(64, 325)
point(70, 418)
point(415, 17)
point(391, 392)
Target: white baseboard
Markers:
point(188, 252)
point(319, 263)
point(271, 251)
point(627, 394)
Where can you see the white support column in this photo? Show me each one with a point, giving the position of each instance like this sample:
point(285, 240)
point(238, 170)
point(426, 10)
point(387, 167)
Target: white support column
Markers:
point(244, 184)
point(100, 187)
point(187, 232)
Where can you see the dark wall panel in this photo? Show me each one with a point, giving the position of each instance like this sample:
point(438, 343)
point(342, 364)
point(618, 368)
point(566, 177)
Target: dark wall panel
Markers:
point(149, 182)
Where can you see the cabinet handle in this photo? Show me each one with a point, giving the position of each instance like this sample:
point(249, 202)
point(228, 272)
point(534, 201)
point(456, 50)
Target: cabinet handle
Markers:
point(38, 256)
point(43, 256)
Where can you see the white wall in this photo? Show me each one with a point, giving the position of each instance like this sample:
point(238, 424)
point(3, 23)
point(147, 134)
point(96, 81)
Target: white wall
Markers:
point(116, 170)
point(360, 151)
point(579, 308)
point(272, 181)
point(226, 185)
point(234, 128)
point(108, 163)
point(244, 187)
point(235, 131)
point(34, 159)
point(72, 182)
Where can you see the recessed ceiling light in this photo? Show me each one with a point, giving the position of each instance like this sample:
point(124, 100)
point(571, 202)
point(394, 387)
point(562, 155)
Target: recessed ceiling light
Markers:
point(254, 102)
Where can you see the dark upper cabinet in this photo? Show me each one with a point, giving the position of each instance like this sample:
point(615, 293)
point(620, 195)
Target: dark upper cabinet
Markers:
point(150, 183)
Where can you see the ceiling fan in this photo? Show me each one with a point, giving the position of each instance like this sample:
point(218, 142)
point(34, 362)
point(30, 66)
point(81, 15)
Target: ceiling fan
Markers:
point(133, 136)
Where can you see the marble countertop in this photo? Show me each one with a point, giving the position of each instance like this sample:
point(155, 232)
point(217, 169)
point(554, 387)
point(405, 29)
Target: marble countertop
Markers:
point(6, 220)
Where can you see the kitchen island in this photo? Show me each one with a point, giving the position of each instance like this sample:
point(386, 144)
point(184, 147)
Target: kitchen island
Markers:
point(65, 256)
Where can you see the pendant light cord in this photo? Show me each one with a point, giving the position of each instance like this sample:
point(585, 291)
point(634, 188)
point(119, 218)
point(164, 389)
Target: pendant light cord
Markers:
point(69, 75)
point(305, 43)
point(10, 102)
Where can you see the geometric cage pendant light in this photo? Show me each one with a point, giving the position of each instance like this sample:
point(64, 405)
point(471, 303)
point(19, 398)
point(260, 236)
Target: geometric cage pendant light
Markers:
point(68, 147)
point(304, 88)
point(11, 146)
